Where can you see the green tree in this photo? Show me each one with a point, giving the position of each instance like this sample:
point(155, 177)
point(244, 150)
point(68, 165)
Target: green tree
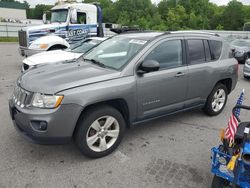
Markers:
point(233, 16)
point(177, 18)
point(37, 12)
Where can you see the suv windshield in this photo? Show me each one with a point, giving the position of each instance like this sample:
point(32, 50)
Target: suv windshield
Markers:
point(115, 52)
point(59, 16)
point(84, 46)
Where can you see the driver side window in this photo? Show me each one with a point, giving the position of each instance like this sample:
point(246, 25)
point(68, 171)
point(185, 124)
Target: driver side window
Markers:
point(168, 54)
point(81, 18)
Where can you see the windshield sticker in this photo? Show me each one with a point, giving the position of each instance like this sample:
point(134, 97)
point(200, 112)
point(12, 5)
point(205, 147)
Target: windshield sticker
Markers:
point(135, 41)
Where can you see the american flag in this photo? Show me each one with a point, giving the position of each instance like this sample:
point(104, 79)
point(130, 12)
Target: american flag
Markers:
point(233, 122)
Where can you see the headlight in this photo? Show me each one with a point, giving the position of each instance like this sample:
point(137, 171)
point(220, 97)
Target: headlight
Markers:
point(240, 52)
point(46, 101)
point(248, 62)
point(39, 46)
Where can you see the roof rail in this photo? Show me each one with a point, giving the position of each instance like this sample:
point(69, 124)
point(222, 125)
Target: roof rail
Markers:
point(193, 32)
point(125, 30)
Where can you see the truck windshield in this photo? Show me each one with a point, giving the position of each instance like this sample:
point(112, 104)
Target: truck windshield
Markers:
point(115, 52)
point(59, 15)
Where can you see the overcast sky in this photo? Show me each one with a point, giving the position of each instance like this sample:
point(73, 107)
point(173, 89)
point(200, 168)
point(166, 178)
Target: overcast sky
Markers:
point(219, 2)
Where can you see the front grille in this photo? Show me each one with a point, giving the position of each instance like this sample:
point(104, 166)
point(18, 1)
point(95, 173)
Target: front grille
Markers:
point(22, 36)
point(25, 66)
point(21, 97)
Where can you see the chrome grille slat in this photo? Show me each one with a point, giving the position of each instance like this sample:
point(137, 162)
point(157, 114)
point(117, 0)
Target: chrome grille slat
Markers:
point(22, 38)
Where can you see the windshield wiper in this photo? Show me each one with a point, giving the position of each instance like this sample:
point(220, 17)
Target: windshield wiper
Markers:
point(96, 62)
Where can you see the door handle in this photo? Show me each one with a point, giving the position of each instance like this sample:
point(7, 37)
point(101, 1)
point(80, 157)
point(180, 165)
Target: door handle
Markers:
point(180, 74)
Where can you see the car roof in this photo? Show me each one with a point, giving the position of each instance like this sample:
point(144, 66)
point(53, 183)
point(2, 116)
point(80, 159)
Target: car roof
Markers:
point(149, 35)
point(142, 35)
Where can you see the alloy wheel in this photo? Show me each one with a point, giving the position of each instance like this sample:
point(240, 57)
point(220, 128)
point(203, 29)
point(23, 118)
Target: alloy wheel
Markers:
point(219, 99)
point(103, 133)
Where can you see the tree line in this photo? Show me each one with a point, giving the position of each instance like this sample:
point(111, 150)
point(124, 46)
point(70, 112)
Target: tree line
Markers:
point(167, 15)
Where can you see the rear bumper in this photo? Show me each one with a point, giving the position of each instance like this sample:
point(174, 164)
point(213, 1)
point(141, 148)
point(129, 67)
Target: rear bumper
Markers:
point(61, 123)
point(26, 52)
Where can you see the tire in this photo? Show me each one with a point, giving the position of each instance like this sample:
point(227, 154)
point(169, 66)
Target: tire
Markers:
point(216, 101)
point(246, 77)
point(219, 182)
point(103, 140)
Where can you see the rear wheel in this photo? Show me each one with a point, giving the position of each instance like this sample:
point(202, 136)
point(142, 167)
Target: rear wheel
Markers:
point(217, 100)
point(100, 131)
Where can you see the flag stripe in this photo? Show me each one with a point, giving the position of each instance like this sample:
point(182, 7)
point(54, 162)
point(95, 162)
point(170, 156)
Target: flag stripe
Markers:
point(233, 122)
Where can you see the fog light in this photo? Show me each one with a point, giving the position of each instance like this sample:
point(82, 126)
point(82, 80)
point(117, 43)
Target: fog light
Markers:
point(39, 125)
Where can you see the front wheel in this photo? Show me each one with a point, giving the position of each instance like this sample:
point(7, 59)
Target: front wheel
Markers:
point(217, 100)
point(99, 131)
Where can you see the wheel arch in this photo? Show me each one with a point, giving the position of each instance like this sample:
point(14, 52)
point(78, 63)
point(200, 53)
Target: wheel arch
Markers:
point(228, 83)
point(57, 46)
point(119, 104)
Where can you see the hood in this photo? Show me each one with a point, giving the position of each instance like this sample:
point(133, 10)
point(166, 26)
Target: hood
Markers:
point(40, 28)
point(51, 57)
point(240, 48)
point(56, 77)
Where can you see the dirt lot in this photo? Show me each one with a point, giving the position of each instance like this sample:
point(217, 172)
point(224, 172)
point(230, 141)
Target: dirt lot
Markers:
point(170, 152)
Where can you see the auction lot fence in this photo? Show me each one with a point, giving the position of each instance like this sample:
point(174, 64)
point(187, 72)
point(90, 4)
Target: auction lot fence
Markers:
point(11, 30)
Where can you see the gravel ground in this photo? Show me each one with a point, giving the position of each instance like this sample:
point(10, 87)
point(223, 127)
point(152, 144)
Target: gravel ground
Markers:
point(170, 152)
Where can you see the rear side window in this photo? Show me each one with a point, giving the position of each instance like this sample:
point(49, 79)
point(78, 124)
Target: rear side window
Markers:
point(207, 51)
point(216, 47)
point(196, 51)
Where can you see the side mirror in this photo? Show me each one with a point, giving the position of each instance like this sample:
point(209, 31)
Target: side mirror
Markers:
point(44, 18)
point(73, 16)
point(148, 66)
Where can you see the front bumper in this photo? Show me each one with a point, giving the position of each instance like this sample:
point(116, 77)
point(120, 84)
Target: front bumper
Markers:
point(61, 123)
point(246, 70)
point(24, 51)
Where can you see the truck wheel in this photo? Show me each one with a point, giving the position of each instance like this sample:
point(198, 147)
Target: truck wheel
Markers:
point(219, 182)
point(217, 100)
point(99, 131)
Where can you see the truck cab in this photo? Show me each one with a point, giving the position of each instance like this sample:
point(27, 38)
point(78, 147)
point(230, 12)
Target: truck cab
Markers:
point(70, 23)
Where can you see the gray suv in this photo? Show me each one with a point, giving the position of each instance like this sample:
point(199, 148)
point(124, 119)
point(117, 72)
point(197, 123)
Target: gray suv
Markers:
point(126, 80)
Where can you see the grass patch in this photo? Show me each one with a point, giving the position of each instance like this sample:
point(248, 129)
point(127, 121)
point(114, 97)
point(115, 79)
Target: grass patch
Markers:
point(8, 39)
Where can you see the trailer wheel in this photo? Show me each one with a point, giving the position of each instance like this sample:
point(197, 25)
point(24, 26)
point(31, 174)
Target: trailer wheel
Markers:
point(219, 182)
